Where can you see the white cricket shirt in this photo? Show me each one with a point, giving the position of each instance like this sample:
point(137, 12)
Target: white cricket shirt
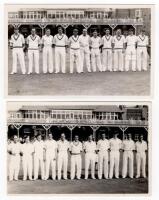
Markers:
point(33, 42)
point(115, 144)
point(47, 41)
point(76, 147)
point(107, 41)
point(119, 41)
point(90, 147)
point(60, 40)
point(17, 41)
point(103, 145)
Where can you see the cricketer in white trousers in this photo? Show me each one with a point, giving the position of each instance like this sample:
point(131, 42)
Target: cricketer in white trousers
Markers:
point(33, 55)
point(51, 148)
point(130, 57)
point(128, 158)
point(141, 147)
point(85, 53)
point(76, 161)
point(47, 59)
point(27, 150)
point(118, 60)
point(62, 161)
point(38, 159)
point(18, 53)
point(102, 147)
point(107, 59)
point(75, 57)
point(115, 145)
point(142, 58)
point(14, 165)
point(60, 59)
point(96, 59)
point(103, 163)
point(90, 158)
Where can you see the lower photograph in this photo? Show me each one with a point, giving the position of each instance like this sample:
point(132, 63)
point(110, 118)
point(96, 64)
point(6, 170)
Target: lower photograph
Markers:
point(78, 148)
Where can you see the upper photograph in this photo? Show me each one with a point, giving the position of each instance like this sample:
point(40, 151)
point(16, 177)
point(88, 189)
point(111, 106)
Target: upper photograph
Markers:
point(78, 50)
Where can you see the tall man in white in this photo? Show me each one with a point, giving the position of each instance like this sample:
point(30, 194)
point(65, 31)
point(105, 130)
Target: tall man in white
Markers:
point(142, 55)
point(27, 152)
point(33, 42)
point(107, 41)
point(85, 51)
point(38, 157)
point(76, 161)
point(75, 55)
point(62, 162)
point(141, 148)
point(17, 43)
point(50, 146)
point(130, 57)
point(14, 150)
point(128, 147)
point(47, 44)
point(102, 148)
point(115, 146)
point(95, 44)
point(119, 50)
point(90, 156)
point(61, 44)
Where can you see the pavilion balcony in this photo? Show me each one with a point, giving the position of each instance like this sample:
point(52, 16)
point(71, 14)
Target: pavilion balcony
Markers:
point(80, 122)
point(84, 20)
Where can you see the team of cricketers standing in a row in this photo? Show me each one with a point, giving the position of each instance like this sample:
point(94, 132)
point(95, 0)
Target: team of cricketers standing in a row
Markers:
point(49, 155)
point(109, 53)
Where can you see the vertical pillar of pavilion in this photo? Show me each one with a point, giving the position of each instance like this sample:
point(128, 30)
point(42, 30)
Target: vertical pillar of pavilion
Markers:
point(71, 127)
point(123, 129)
point(65, 27)
point(94, 128)
point(42, 26)
point(17, 126)
point(147, 129)
point(46, 127)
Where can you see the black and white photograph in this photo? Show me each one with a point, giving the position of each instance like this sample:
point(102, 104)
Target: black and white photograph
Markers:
point(78, 148)
point(78, 50)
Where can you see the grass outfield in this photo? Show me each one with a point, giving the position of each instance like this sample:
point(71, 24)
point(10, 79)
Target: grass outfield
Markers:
point(93, 84)
point(110, 186)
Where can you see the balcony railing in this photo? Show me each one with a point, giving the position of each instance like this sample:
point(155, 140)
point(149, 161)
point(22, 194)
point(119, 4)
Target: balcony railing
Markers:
point(77, 21)
point(76, 121)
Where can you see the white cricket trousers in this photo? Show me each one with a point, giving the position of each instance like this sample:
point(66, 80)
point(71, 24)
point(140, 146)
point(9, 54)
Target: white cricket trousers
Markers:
point(90, 161)
point(14, 166)
point(62, 163)
point(128, 159)
point(50, 162)
point(114, 163)
point(60, 59)
point(33, 56)
point(75, 57)
point(27, 166)
point(142, 58)
point(103, 164)
point(76, 166)
point(130, 58)
point(38, 163)
point(107, 59)
point(18, 54)
point(47, 59)
point(96, 59)
point(118, 60)
point(141, 163)
point(85, 54)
